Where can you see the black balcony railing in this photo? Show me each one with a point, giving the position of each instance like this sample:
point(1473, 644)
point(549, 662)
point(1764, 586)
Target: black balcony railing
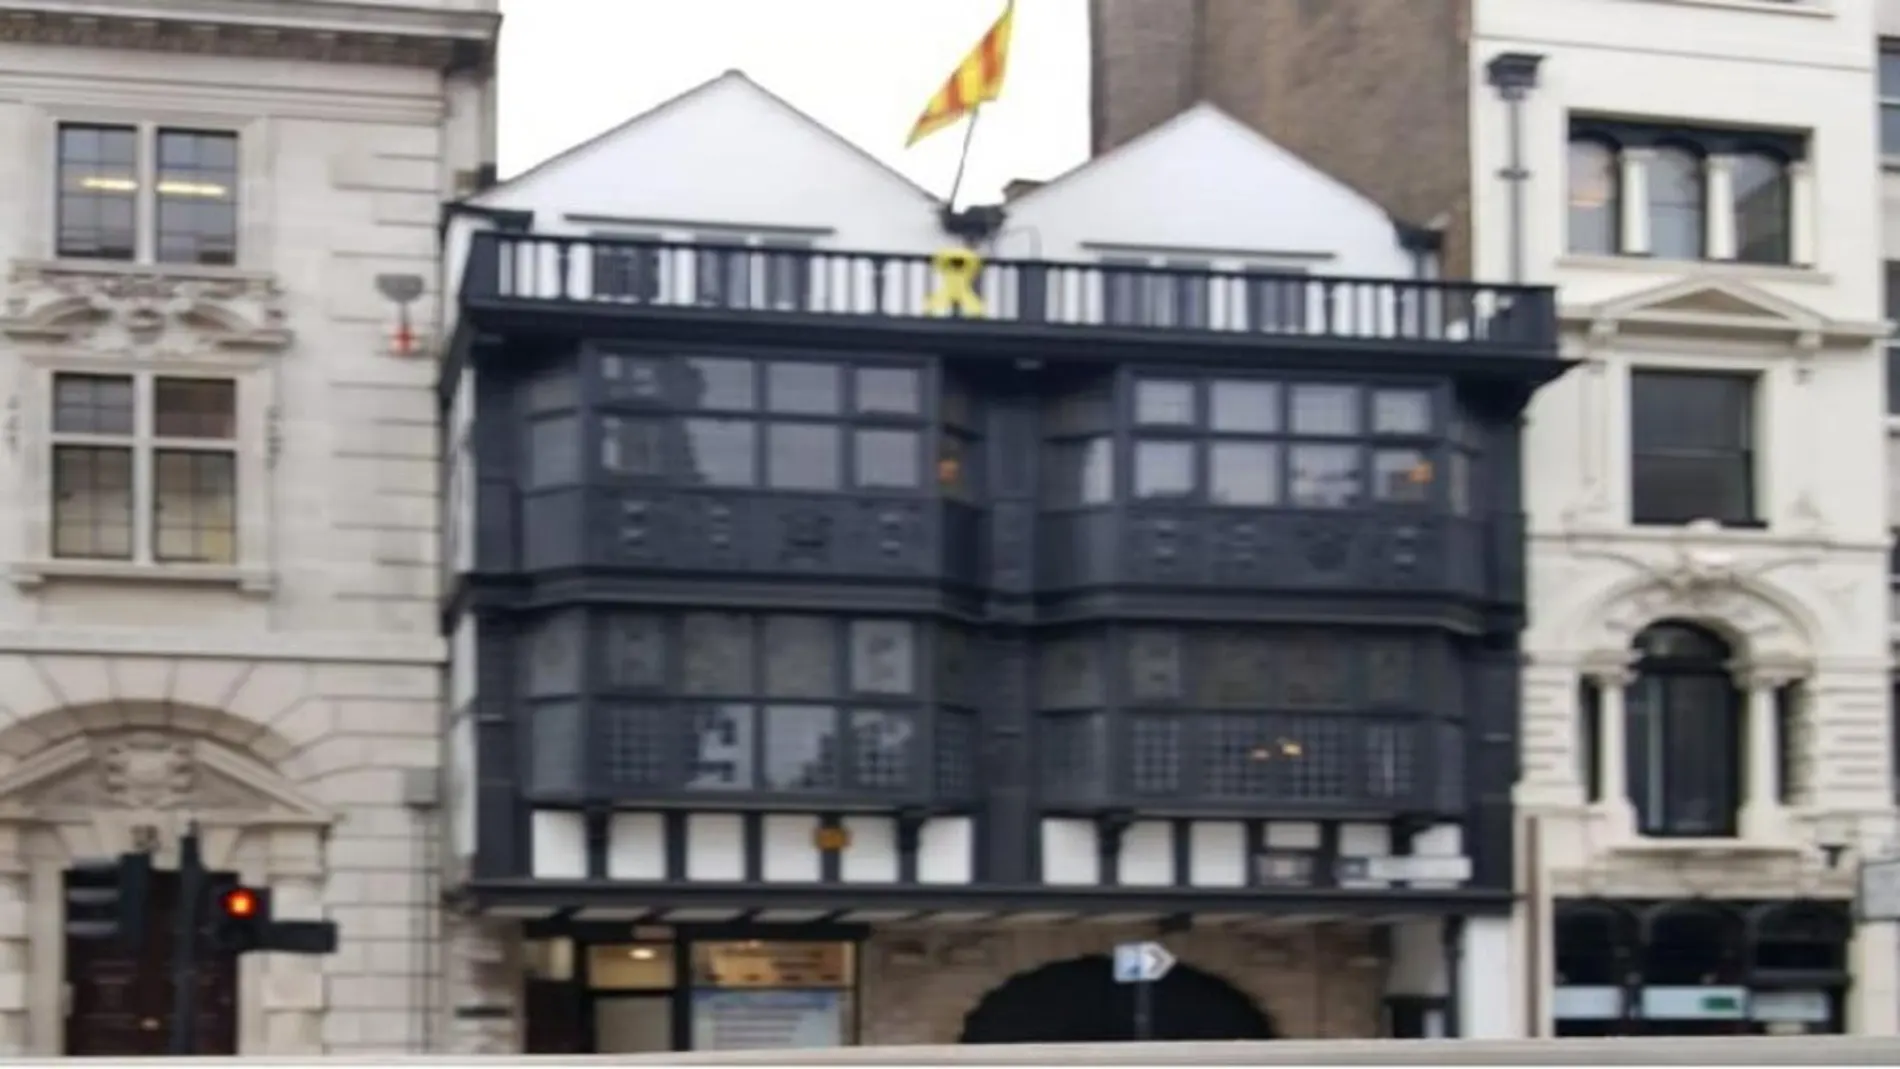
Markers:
point(515, 269)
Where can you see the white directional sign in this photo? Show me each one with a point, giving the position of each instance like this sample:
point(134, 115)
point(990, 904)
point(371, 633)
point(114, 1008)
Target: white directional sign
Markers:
point(1141, 963)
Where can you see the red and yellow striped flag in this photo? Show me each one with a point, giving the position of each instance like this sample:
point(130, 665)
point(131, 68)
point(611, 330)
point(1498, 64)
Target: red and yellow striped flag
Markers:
point(977, 80)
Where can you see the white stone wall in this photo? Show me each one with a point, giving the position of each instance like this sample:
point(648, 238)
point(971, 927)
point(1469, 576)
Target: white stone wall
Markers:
point(1804, 598)
point(292, 702)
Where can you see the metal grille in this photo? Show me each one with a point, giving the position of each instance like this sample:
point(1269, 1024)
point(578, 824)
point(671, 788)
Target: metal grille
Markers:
point(956, 753)
point(1155, 744)
point(1071, 757)
point(636, 740)
point(883, 743)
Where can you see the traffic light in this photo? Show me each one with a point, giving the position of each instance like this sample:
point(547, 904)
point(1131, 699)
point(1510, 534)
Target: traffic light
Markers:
point(241, 922)
point(107, 899)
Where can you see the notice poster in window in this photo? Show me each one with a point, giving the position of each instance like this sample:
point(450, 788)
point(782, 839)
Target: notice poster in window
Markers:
point(767, 1020)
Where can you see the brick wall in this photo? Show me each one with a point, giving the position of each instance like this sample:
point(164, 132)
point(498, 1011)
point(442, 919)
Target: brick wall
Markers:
point(1373, 91)
point(1312, 983)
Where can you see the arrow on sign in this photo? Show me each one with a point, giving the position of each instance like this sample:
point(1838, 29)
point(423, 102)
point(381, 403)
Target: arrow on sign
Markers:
point(1141, 963)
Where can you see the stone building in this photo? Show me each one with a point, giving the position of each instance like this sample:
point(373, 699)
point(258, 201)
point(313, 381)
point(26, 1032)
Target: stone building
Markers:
point(832, 668)
point(219, 541)
point(1706, 739)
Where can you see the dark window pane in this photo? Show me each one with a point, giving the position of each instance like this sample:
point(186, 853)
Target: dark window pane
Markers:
point(896, 391)
point(801, 657)
point(554, 452)
point(1243, 473)
point(1890, 129)
point(1325, 476)
point(552, 655)
point(1082, 413)
point(1156, 748)
point(1154, 665)
point(1681, 489)
point(92, 502)
point(1233, 666)
point(800, 747)
point(1401, 412)
point(721, 384)
point(557, 748)
point(716, 653)
point(634, 650)
point(1325, 410)
point(1402, 476)
point(197, 197)
point(642, 745)
point(1761, 210)
point(1079, 473)
point(804, 389)
point(1594, 191)
point(98, 192)
point(92, 404)
point(632, 447)
point(194, 408)
point(888, 458)
point(803, 456)
point(1164, 470)
point(628, 378)
point(1893, 379)
point(1069, 673)
point(1316, 670)
point(1160, 403)
point(1676, 410)
point(1676, 214)
point(1684, 747)
point(721, 452)
point(1241, 407)
point(194, 506)
point(1890, 75)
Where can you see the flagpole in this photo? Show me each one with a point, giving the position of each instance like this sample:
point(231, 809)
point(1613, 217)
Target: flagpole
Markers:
point(963, 157)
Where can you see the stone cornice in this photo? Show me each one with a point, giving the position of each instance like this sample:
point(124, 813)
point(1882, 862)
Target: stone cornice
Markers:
point(315, 30)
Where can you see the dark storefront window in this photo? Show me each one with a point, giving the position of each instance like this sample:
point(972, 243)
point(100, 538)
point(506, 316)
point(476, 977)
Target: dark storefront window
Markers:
point(1217, 715)
point(710, 703)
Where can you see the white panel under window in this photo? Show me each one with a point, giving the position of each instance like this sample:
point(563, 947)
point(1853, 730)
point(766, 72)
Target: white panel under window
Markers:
point(559, 849)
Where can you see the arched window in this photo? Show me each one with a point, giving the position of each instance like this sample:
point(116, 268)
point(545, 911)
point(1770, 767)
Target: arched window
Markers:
point(1595, 197)
point(1676, 197)
point(1761, 209)
point(1684, 734)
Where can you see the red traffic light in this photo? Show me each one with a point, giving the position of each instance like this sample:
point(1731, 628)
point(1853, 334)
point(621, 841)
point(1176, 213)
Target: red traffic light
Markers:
point(240, 903)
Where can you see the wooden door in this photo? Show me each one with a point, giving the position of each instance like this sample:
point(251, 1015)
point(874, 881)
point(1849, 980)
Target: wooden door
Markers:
point(121, 1001)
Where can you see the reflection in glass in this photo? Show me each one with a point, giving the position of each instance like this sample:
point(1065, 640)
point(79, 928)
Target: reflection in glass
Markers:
point(1401, 412)
point(1164, 469)
point(1242, 407)
point(635, 649)
point(625, 377)
point(1676, 213)
point(890, 391)
point(1080, 473)
point(1325, 410)
point(804, 389)
point(1243, 473)
point(803, 456)
point(554, 452)
point(723, 749)
point(1594, 182)
point(632, 447)
point(715, 383)
point(801, 747)
point(1761, 210)
point(1325, 476)
point(1154, 664)
point(883, 657)
point(887, 459)
point(1402, 476)
point(881, 748)
point(722, 452)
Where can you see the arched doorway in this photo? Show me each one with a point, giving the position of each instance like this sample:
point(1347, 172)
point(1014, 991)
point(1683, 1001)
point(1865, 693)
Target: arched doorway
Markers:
point(1078, 1001)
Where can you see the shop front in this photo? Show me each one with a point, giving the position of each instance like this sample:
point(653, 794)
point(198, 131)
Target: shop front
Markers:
point(1701, 967)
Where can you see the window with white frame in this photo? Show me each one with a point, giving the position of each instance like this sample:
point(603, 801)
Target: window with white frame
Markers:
point(1682, 193)
point(146, 194)
point(144, 468)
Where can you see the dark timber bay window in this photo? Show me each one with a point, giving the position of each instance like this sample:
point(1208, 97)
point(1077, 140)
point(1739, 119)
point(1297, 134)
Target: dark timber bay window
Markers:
point(1677, 168)
point(1238, 715)
point(1251, 443)
point(792, 424)
point(160, 195)
point(709, 703)
point(1692, 447)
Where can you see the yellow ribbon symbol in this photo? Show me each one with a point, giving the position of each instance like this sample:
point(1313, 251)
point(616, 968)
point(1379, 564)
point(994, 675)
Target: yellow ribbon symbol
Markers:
point(956, 284)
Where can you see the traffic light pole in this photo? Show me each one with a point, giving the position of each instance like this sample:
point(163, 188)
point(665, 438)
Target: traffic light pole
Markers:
point(191, 893)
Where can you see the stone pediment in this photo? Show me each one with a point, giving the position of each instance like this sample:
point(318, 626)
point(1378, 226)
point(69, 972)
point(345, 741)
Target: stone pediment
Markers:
point(149, 771)
point(1721, 306)
point(109, 309)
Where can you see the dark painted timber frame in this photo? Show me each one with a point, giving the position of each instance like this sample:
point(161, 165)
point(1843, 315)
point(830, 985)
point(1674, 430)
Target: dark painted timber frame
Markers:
point(531, 293)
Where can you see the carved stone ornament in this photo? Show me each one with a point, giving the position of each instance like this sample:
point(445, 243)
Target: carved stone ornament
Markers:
point(146, 770)
point(445, 40)
point(163, 313)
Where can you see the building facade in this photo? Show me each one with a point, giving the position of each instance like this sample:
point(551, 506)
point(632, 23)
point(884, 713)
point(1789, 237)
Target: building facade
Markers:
point(1706, 746)
point(220, 528)
point(842, 654)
